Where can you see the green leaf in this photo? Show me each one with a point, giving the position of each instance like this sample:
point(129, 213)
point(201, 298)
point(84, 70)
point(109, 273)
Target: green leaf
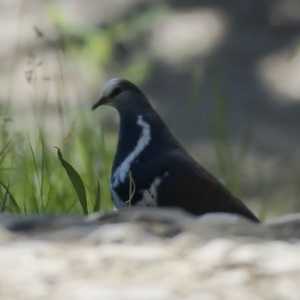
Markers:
point(76, 181)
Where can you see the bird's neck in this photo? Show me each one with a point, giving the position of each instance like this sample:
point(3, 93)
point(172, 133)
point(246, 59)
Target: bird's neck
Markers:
point(140, 130)
point(129, 132)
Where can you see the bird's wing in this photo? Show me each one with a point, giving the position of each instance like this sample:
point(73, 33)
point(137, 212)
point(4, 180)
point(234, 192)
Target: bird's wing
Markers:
point(191, 187)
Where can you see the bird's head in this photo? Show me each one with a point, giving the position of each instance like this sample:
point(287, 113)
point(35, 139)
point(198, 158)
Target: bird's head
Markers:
point(119, 93)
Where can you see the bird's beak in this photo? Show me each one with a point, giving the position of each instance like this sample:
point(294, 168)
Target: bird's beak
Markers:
point(101, 101)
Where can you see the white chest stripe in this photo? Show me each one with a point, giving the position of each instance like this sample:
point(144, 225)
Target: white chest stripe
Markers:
point(145, 137)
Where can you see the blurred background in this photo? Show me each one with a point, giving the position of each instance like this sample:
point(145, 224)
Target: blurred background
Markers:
point(224, 75)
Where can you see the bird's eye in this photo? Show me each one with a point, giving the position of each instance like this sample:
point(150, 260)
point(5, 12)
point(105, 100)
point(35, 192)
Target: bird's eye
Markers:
point(116, 91)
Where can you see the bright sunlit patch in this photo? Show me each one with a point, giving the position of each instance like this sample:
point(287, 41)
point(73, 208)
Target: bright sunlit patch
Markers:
point(280, 72)
point(189, 34)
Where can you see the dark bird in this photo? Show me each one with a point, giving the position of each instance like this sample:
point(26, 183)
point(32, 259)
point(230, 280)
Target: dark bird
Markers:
point(151, 168)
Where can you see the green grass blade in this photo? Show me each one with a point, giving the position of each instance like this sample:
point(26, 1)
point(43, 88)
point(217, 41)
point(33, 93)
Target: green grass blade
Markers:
point(97, 198)
point(42, 167)
point(3, 204)
point(11, 197)
point(5, 150)
point(75, 180)
point(35, 163)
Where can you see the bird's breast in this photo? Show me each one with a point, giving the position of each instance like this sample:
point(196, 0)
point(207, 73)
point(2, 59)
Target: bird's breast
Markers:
point(125, 157)
point(133, 141)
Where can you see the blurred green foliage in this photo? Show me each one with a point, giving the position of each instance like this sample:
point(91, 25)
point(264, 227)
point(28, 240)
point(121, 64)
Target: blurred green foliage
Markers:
point(98, 48)
point(32, 179)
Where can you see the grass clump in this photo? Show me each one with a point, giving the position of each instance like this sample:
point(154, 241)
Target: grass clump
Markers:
point(32, 180)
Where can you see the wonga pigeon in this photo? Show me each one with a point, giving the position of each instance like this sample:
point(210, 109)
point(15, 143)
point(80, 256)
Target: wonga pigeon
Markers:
point(151, 168)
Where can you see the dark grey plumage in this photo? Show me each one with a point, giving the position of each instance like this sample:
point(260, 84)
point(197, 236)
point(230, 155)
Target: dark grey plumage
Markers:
point(151, 168)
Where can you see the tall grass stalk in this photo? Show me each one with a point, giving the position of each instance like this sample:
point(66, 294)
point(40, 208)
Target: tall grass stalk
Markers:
point(229, 160)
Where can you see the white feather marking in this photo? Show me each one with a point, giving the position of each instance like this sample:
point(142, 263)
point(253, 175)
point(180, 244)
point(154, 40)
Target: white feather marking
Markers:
point(119, 204)
point(109, 86)
point(150, 194)
point(145, 137)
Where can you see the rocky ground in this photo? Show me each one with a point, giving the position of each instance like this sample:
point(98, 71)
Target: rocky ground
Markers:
point(148, 254)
